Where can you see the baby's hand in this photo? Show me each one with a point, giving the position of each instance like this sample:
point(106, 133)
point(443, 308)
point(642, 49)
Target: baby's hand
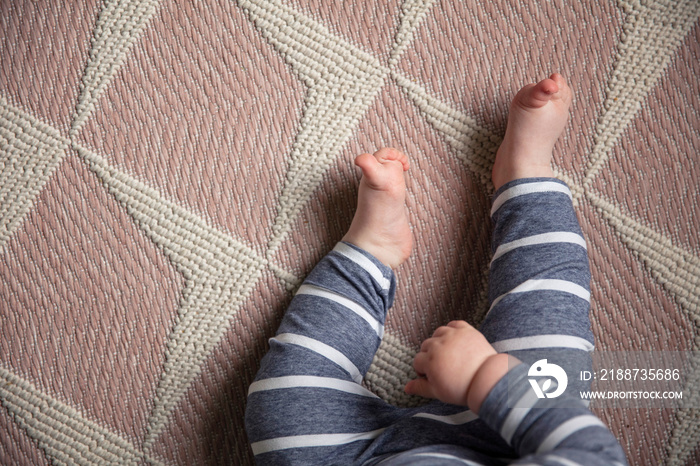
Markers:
point(449, 362)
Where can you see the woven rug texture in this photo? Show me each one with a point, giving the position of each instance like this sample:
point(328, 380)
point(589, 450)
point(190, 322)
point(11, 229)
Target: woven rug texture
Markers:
point(170, 171)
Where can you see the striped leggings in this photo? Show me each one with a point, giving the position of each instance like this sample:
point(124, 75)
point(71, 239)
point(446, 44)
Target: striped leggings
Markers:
point(307, 404)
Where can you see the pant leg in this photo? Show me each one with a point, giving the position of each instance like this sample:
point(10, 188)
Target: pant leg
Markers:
point(540, 299)
point(306, 404)
point(539, 293)
point(539, 284)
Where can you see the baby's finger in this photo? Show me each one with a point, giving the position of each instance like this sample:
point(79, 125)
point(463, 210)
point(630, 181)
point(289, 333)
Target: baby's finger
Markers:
point(458, 324)
point(427, 343)
point(440, 331)
point(420, 387)
point(421, 362)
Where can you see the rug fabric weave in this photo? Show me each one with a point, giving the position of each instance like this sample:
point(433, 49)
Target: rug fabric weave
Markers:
point(171, 171)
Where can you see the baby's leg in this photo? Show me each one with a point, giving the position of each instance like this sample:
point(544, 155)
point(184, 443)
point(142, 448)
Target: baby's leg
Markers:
point(306, 404)
point(539, 294)
point(539, 279)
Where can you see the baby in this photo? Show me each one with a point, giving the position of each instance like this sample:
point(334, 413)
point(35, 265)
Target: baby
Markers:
point(307, 404)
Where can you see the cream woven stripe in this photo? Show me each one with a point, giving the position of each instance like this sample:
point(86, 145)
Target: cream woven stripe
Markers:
point(30, 151)
point(332, 69)
point(219, 271)
point(328, 120)
point(393, 357)
point(651, 34)
point(390, 370)
point(412, 14)
point(312, 50)
point(475, 146)
point(676, 269)
point(119, 26)
point(203, 255)
point(61, 431)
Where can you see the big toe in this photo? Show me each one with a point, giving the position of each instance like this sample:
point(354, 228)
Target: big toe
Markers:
point(537, 95)
point(389, 154)
point(366, 161)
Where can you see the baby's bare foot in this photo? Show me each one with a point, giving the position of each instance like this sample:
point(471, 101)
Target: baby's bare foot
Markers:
point(380, 225)
point(537, 118)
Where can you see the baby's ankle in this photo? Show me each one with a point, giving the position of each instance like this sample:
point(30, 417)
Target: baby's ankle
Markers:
point(514, 166)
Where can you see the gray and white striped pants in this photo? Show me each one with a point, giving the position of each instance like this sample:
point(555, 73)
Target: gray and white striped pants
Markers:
point(307, 404)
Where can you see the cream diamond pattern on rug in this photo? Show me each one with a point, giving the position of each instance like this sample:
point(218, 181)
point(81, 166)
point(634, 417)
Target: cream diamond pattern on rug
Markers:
point(219, 275)
point(65, 435)
point(343, 81)
point(31, 152)
point(221, 272)
point(119, 26)
point(650, 36)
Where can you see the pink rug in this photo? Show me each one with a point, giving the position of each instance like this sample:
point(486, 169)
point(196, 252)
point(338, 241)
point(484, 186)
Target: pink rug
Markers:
point(170, 171)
